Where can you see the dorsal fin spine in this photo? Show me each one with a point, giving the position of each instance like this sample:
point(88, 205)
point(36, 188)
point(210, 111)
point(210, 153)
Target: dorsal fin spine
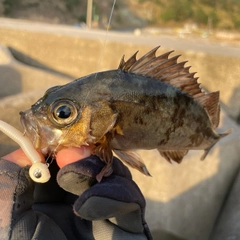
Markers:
point(130, 61)
point(168, 70)
point(148, 56)
point(122, 63)
point(151, 64)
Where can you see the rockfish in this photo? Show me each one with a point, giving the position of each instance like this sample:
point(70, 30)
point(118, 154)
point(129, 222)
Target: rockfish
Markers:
point(150, 103)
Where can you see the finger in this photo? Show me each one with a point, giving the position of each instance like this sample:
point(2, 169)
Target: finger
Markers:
point(116, 198)
point(18, 157)
point(72, 154)
point(80, 175)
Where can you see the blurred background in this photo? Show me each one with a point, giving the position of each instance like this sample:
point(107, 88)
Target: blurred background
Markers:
point(198, 17)
point(47, 43)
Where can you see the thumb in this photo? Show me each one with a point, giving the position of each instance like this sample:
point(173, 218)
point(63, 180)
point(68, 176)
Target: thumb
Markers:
point(18, 157)
point(72, 154)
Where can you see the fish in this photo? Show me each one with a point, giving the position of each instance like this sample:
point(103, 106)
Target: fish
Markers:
point(153, 102)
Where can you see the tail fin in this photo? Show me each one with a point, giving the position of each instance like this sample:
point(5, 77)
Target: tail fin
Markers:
point(225, 133)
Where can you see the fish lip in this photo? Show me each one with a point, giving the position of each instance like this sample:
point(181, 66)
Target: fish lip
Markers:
point(30, 127)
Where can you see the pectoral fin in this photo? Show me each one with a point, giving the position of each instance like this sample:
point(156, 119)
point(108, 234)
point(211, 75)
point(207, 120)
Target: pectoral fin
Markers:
point(175, 155)
point(104, 152)
point(133, 160)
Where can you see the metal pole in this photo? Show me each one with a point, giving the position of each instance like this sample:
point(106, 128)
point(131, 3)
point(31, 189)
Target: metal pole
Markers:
point(89, 13)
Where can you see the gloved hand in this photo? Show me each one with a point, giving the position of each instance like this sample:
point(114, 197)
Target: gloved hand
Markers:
point(111, 209)
point(116, 198)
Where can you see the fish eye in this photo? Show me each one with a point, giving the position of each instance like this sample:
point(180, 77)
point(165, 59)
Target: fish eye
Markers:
point(63, 112)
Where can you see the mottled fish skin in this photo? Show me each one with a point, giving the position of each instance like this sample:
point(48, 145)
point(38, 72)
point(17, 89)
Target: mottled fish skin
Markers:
point(153, 102)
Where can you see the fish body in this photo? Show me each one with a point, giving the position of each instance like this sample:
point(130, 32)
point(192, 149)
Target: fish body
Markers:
point(153, 102)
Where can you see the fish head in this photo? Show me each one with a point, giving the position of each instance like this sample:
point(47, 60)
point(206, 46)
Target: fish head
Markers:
point(48, 122)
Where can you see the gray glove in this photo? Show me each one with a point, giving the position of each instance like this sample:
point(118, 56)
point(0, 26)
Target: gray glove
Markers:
point(111, 209)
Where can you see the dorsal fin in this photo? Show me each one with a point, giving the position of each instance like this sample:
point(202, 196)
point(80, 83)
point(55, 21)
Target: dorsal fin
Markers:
point(144, 59)
point(211, 103)
point(126, 65)
point(169, 70)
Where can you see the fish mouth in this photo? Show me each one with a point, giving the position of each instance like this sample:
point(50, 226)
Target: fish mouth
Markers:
point(43, 135)
point(30, 128)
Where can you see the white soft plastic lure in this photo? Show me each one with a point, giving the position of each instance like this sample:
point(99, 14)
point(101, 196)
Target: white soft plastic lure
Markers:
point(39, 171)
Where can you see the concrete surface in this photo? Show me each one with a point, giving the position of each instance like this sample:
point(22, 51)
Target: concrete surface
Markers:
point(225, 228)
point(18, 78)
point(196, 44)
point(78, 52)
point(183, 201)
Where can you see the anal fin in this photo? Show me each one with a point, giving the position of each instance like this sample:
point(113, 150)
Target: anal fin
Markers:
point(175, 155)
